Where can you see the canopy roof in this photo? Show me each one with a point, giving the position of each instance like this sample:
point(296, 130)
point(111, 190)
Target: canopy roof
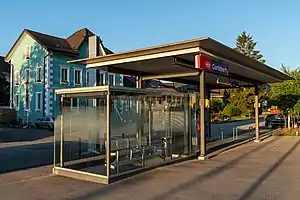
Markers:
point(158, 62)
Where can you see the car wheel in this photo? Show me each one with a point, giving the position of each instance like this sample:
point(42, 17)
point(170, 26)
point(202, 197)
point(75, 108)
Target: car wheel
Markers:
point(50, 127)
point(37, 126)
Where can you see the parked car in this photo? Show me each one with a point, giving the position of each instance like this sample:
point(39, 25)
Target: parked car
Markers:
point(274, 121)
point(45, 122)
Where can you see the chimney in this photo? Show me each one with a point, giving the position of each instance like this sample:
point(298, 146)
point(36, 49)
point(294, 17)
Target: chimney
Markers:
point(93, 46)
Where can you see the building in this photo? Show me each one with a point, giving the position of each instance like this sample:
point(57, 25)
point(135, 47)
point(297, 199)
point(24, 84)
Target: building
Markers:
point(39, 65)
point(4, 83)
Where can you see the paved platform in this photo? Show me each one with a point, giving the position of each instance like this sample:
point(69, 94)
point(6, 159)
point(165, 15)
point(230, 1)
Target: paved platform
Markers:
point(266, 170)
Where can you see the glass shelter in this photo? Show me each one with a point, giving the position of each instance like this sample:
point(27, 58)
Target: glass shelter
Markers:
point(106, 133)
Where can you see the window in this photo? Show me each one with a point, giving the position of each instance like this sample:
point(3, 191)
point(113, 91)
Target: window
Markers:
point(17, 102)
point(27, 102)
point(64, 75)
point(27, 52)
point(17, 78)
point(38, 101)
point(100, 78)
point(87, 78)
point(39, 74)
point(74, 102)
point(78, 76)
point(111, 80)
point(27, 75)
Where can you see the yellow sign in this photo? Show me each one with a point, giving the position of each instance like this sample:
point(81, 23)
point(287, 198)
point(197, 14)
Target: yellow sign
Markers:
point(258, 105)
point(207, 103)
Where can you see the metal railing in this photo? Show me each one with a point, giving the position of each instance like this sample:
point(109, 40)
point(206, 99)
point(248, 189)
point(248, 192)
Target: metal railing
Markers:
point(234, 133)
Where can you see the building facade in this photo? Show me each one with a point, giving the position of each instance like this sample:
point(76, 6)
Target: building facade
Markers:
point(39, 65)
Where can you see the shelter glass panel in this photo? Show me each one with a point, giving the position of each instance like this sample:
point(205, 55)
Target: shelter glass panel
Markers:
point(81, 132)
point(148, 130)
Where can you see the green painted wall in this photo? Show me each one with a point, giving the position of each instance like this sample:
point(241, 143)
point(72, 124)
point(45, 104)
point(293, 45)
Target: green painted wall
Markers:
point(20, 65)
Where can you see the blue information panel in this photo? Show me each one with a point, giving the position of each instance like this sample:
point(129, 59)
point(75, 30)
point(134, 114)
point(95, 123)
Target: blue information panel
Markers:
point(218, 67)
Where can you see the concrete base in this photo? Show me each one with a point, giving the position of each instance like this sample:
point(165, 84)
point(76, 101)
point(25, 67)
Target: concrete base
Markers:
point(202, 158)
point(257, 141)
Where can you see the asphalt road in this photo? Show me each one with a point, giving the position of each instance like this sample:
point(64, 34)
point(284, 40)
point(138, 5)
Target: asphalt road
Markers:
point(267, 170)
point(25, 148)
point(227, 128)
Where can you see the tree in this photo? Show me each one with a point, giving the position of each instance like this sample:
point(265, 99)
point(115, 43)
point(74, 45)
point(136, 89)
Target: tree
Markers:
point(286, 94)
point(296, 108)
point(217, 105)
point(243, 98)
point(232, 111)
point(246, 45)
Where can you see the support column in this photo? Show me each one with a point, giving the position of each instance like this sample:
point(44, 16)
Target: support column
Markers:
point(187, 124)
point(139, 104)
point(207, 114)
point(257, 137)
point(139, 82)
point(61, 134)
point(108, 136)
point(202, 118)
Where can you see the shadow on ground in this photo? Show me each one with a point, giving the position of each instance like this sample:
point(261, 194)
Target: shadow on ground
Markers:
point(265, 175)
point(111, 188)
point(22, 135)
point(15, 158)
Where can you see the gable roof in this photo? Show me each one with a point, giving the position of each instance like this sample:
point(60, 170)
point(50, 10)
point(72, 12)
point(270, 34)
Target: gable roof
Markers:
point(68, 46)
point(77, 38)
point(52, 43)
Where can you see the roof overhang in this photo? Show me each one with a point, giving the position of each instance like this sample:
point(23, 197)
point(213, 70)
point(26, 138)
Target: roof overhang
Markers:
point(159, 61)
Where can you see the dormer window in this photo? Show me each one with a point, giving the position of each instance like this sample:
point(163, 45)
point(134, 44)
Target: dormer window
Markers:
point(27, 52)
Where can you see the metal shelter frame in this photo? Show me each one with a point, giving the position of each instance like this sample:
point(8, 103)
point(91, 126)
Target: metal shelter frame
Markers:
point(176, 62)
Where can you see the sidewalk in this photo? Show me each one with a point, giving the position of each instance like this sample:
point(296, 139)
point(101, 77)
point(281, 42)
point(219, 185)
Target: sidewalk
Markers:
point(266, 170)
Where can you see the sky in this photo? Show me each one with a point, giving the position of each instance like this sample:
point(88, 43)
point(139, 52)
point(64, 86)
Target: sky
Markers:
point(132, 24)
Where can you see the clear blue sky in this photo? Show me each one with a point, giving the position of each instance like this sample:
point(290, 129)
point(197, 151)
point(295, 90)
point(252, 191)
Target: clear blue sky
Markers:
point(125, 25)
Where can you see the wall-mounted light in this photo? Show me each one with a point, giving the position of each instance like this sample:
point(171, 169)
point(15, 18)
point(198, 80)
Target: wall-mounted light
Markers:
point(232, 84)
point(183, 62)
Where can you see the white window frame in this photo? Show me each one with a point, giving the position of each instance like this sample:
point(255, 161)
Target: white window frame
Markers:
point(114, 79)
point(80, 70)
point(87, 78)
point(27, 71)
point(68, 75)
point(103, 80)
point(38, 74)
point(29, 53)
point(17, 78)
point(36, 101)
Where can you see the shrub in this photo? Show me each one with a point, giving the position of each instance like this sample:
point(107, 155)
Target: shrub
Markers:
point(232, 111)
